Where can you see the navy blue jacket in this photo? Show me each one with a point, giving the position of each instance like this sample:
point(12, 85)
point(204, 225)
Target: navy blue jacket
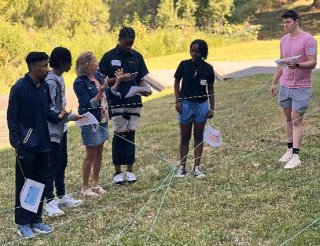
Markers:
point(86, 90)
point(130, 62)
point(28, 113)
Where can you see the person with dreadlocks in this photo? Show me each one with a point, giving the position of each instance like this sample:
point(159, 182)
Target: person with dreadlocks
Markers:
point(192, 103)
point(125, 111)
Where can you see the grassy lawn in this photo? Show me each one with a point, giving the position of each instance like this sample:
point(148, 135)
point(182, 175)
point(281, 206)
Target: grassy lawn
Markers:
point(246, 199)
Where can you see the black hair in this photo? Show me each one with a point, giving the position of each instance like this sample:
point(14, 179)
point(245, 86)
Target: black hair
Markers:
point(35, 56)
point(127, 32)
point(203, 47)
point(291, 14)
point(59, 54)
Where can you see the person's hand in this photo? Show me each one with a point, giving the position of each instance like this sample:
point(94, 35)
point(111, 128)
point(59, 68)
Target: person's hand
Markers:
point(103, 87)
point(178, 106)
point(292, 64)
point(210, 114)
point(78, 117)
point(146, 93)
point(273, 90)
point(121, 76)
point(64, 114)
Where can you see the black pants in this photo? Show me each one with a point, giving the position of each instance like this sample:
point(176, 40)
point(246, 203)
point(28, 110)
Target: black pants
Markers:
point(58, 159)
point(123, 151)
point(34, 166)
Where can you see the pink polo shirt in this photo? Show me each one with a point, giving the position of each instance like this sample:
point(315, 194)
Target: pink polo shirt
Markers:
point(305, 45)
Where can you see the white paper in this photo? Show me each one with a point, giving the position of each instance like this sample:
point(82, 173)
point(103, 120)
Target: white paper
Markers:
point(136, 90)
point(283, 62)
point(88, 119)
point(30, 195)
point(212, 136)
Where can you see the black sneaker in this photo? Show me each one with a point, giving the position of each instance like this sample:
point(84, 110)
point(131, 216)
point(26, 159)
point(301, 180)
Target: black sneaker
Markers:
point(181, 172)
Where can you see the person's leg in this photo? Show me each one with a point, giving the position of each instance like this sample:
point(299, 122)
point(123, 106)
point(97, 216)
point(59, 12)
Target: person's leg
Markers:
point(130, 150)
point(297, 129)
point(24, 160)
point(289, 124)
point(90, 153)
point(185, 136)
point(60, 177)
point(40, 175)
point(198, 141)
point(96, 165)
point(53, 167)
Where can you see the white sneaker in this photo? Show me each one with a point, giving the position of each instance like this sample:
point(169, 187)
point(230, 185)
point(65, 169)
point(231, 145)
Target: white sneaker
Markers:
point(118, 179)
point(197, 172)
point(293, 162)
point(67, 201)
point(287, 156)
point(52, 209)
point(130, 177)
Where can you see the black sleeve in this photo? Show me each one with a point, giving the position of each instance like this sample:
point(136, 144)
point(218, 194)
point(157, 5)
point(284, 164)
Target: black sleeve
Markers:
point(210, 78)
point(13, 116)
point(179, 72)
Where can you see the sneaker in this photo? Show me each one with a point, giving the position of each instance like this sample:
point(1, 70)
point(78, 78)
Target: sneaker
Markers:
point(130, 177)
point(25, 231)
point(181, 172)
point(41, 228)
point(293, 162)
point(197, 172)
point(287, 156)
point(67, 201)
point(88, 193)
point(98, 189)
point(52, 209)
point(118, 179)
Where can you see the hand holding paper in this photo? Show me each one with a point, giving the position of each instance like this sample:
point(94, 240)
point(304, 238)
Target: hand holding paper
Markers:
point(137, 90)
point(283, 62)
point(87, 119)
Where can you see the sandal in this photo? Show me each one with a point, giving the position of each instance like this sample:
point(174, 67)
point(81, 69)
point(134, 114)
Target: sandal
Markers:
point(98, 189)
point(88, 193)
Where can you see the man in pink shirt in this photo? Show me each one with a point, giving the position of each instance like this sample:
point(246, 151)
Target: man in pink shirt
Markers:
point(295, 82)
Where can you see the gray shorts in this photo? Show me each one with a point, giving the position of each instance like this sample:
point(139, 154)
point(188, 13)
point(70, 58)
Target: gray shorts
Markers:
point(296, 98)
point(120, 124)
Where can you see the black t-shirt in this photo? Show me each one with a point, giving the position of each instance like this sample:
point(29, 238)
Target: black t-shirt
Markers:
point(130, 63)
point(195, 78)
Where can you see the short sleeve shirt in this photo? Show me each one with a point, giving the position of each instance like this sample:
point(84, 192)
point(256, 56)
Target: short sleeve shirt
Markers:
point(130, 63)
point(304, 45)
point(195, 79)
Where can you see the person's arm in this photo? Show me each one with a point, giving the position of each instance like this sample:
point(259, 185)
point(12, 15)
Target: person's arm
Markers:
point(277, 75)
point(211, 99)
point(176, 93)
point(53, 93)
point(311, 63)
point(13, 117)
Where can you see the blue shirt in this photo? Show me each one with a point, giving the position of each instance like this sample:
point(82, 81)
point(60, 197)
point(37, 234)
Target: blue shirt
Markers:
point(86, 90)
point(130, 62)
point(27, 115)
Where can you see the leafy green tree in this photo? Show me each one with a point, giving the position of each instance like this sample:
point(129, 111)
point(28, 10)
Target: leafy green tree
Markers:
point(186, 10)
point(166, 16)
point(211, 14)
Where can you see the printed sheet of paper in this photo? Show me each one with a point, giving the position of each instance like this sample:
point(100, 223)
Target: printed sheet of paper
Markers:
point(283, 62)
point(30, 195)
point(88, 119)
point(136, 90)
point(212, 136)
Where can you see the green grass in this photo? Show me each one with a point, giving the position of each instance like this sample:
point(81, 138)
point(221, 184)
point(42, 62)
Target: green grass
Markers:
point(246, 199)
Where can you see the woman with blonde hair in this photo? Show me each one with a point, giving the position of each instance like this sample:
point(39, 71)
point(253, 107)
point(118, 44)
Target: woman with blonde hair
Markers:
point(90, 88)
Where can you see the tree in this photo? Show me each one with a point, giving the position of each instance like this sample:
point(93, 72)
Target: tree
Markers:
point(186, 10)
point(166, 16)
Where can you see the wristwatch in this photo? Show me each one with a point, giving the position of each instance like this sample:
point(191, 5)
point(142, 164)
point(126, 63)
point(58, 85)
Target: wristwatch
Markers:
point(297, 65)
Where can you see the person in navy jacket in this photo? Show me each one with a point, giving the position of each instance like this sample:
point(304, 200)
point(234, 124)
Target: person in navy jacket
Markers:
point(27, 116)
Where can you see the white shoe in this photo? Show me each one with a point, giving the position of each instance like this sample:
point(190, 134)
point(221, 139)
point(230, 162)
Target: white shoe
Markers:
point(130, 177)
point(197, 172)
point(293, 162)
point(287, 156)
point(118, 179)
point(67, 201)
point(52, 209)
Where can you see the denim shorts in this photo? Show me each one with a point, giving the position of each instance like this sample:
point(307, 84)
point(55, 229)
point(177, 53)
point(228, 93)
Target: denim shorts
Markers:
point(94, 135)
point(193, 112)
point(296, 98)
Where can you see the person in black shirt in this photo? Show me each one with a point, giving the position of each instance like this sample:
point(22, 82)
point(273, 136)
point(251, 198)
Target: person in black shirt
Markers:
point(192, 102)
point(125, 111)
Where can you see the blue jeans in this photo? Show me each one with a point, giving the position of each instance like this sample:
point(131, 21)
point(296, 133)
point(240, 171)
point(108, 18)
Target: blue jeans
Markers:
point(193, 112)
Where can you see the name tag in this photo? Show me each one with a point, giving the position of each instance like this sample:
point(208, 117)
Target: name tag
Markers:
point(203, 82)
point(116, 63)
